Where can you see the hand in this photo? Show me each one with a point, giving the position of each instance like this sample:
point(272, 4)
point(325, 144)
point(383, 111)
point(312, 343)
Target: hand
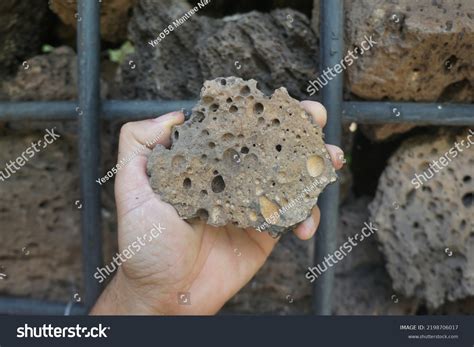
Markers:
point(209, 263)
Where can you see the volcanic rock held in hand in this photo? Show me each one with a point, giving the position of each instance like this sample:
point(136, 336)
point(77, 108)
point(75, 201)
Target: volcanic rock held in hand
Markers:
point(244, 159)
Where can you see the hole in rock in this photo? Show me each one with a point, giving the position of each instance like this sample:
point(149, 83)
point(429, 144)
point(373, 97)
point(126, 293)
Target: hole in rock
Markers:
point(233, 109)
point(199, 117)
point(187, 183)
point(275, 122)
point(211, 144)
point(244, 150)
point(218, 184)
point(258, 108)
point(278, 148)
point(231, 157)
point(467, 199)
point(202, 214)
point(466, 179)
point(245, 91)
point(178, 162)
point(214, 107)
point(176, 135)
point(227, 137)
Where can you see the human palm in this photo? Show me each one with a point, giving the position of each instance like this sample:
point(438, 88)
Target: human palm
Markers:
point(189, 267)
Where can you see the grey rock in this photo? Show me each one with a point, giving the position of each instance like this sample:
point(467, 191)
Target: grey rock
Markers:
point(23, 25)
point(426, 229)
point(263, 46)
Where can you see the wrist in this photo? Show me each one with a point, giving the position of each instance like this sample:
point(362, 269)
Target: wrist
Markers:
point(119, 298)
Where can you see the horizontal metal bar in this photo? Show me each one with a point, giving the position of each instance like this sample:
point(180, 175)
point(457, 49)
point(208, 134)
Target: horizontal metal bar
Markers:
point(38, 110)
point(408, 112)
point(69, 110)
point(370, 112)
point(22, 306)
point(143, 109)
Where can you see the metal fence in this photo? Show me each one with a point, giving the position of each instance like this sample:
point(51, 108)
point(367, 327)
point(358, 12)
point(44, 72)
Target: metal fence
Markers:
point(93, 109)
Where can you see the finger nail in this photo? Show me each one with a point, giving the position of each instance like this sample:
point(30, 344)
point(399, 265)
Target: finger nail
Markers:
point(312, 224)
point(187, 114)
point(309, 228)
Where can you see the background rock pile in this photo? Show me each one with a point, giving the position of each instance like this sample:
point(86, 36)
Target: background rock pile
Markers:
point(423, 53)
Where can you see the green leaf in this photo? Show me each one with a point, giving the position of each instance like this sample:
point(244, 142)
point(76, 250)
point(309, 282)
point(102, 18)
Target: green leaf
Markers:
point(119, 55)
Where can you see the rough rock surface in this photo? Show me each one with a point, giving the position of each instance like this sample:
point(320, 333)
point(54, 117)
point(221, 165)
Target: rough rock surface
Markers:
point(265, 46)
point(49, 77)
point(385, 131)
point(243, 158)
point(40, 239)
point(362, 285)
point(423, 51)
point(23, 25)
point(114, 15)
point(427, 234)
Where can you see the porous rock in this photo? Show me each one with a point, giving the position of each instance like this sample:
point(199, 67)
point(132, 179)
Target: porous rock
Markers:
point(423, 50)
point(276, 48)
point(426, 231)
point(423, 53)
point(243, 158)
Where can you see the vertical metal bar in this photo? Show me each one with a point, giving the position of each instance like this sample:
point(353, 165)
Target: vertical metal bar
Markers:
point(88, 48)
point(332, 47)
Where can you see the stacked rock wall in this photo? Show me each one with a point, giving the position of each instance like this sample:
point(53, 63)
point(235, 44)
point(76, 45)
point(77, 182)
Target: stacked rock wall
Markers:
point(420, 260)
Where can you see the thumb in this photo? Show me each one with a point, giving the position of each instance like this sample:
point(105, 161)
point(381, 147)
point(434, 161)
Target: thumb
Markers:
point(137, 139)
